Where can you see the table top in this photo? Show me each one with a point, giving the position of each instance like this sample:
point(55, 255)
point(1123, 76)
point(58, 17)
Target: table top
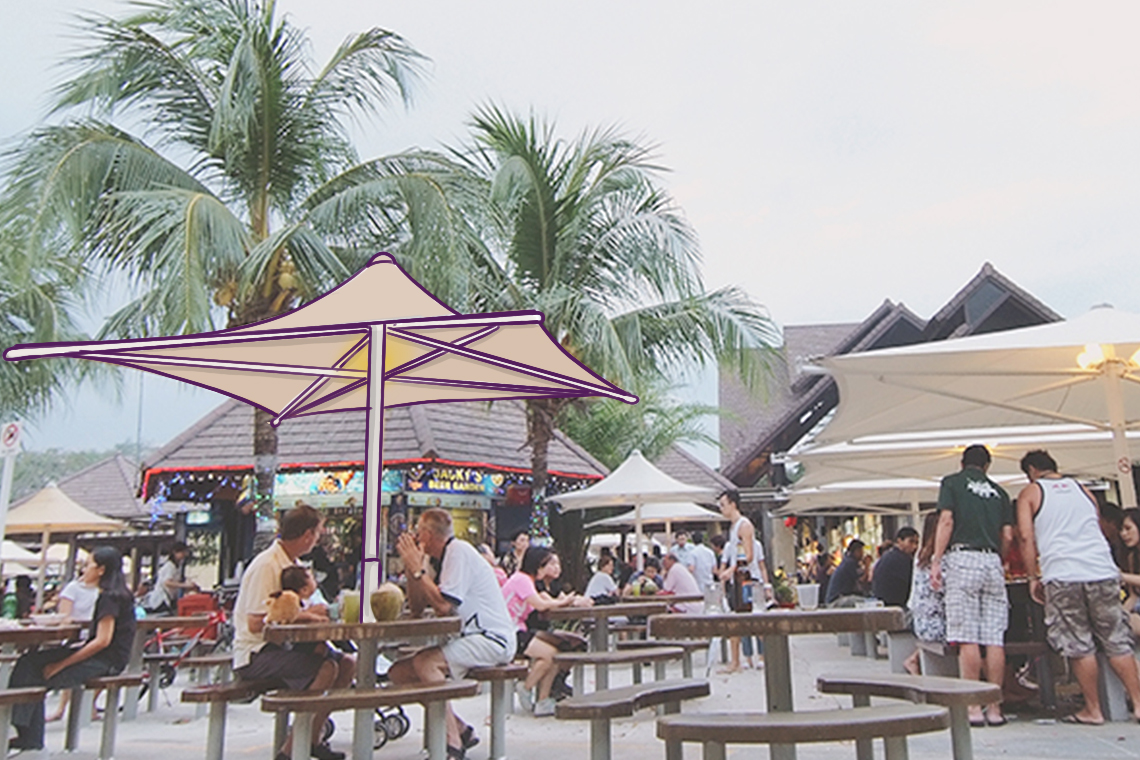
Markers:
point(35, 634)
point(408, 628)
point(655, 607)
point(160, 623)
point(670, 598)
point(788, 622)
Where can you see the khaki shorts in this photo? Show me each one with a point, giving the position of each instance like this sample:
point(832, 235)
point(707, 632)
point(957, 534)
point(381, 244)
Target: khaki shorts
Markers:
point(1079, 616)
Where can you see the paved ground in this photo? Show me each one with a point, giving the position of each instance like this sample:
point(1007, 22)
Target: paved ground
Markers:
point(172, 734)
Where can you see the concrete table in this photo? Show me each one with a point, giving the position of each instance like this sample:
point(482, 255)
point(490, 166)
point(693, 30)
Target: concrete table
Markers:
point(14, 638)
point(601, 614)
point(775, 628)
point(367, 637)
point(145, 628)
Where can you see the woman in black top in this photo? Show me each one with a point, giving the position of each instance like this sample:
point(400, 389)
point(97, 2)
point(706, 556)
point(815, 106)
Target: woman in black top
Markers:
point(106, 652)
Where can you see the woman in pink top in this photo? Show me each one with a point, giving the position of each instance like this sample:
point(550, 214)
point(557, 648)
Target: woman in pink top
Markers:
point(538, 564)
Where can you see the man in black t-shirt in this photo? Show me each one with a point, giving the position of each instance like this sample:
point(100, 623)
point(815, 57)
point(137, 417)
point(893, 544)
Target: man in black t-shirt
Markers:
point(891, 576)
point(843, 588)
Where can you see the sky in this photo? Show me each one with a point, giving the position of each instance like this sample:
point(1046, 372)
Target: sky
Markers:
point(830, 155)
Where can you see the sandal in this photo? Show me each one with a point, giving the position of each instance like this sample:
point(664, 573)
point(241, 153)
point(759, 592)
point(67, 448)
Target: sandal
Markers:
point(468, 738)
point(1075, 720)
point(456, 753)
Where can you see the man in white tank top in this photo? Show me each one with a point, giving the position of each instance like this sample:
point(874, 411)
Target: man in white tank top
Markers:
point(1078, 582)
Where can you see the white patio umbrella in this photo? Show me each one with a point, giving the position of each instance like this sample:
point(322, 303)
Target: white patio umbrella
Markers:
point(377, 340)
point(896, 496)
point(1085, 371)
point(669, 513)
point(635, 482)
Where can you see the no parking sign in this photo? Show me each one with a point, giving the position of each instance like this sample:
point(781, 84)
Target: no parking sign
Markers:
point(10, 438)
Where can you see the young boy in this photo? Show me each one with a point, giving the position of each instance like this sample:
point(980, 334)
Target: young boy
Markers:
point(300, 581)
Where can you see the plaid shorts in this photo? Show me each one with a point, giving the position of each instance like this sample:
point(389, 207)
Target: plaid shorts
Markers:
point(977, 608)
point(1078, 616)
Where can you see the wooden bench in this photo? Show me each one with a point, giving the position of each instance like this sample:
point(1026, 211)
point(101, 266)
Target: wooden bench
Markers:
point(9, 697)
point(434, 698)
point(114, 686)
point(218, 696)
point(716, 730)
point(601, 707)
point(602, 661)
point(689, 645)
point(502, 679)
point(953, 693)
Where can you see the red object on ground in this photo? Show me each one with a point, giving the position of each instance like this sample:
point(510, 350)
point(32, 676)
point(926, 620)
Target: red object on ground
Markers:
point(199, 604)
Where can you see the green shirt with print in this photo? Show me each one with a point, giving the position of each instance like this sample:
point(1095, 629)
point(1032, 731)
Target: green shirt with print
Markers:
point(980, 508)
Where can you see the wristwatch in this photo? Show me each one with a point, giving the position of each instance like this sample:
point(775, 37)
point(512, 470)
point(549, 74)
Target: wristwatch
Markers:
point(419, 574)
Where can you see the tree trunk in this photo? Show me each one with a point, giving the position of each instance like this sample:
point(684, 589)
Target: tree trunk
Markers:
point(264, 470)
point(564, 529)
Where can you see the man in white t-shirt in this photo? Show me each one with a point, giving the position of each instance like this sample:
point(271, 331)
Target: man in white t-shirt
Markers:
point(465, 586)
point(704, 562)
point(254, 659)
point(169, 585)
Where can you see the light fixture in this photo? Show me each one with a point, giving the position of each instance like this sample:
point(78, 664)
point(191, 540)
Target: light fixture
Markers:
point(1091, 357)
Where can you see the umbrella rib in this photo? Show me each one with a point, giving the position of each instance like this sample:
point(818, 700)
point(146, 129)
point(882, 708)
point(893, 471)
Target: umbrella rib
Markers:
point(322, 400)
point(319, 383)
point(284, 369)
point(525, 369)
point(477, 384)
point(433, 355)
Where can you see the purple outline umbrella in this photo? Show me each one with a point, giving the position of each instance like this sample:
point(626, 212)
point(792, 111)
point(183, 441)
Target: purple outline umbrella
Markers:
point(318, 359)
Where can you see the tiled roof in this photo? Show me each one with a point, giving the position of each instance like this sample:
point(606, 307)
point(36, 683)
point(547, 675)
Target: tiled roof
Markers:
point(108, 488)
point(462, 432)
point(678, 463)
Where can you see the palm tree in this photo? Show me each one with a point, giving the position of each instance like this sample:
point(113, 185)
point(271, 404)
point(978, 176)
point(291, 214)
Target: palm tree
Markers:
point(583, 231)
point(200, 154)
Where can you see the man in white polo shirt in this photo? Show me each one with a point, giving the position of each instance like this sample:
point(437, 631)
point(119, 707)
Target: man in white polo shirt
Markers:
point(254, 659)
point(465, 586)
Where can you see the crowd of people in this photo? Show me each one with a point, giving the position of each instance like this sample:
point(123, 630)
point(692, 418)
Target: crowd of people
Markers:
point(1079, 558)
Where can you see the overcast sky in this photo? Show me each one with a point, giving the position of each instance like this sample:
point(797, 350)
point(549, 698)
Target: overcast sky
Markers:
point(830, 155)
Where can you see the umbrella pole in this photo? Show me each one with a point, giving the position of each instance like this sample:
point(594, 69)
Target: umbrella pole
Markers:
point(41, 577)
point(1115, 403)
point(637, 535)
point(372, 548)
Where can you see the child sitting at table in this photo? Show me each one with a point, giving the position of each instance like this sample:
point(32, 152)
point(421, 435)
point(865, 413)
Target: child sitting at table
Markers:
point(300, 581)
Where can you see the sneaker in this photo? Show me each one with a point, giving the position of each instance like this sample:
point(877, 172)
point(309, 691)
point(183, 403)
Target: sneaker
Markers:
point(544, 707)
point(526, 697)
point(325, 752)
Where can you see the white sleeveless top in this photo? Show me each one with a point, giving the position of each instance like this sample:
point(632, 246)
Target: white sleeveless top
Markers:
point(1069, 540)
point(733, 549)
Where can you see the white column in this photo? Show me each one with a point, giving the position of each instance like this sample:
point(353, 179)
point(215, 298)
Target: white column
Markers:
point(372, 549)
point(637, 534)
point(1113, 370)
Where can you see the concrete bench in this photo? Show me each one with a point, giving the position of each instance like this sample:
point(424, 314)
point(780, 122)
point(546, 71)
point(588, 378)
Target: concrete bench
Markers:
point(939, 659)
point(114, 686)
point(202, 665)
point(900, 645)
point(716, 730)
point(601, 707)
point(689, 645)
point(9, 697)
point(502, 679)
point(434, 698)
point(953, 693)
point(218, 696)
point(603, 660)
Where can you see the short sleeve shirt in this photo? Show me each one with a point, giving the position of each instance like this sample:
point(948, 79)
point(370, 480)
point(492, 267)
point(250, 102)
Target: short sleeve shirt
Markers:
point(681, 582)
point(704, 560)
point(121, 607)
point(468, 582)
point(601, 584)
point(518, 588)
point(980, 508)
point(259, 582)
point(82, 598)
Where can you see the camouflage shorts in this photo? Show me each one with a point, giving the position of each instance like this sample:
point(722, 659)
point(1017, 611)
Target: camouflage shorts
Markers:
point(1079, 616)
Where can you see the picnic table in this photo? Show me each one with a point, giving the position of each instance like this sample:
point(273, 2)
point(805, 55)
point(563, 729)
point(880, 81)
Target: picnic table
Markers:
point(775, 628)
point(14, 638)
point(367, 637)
point(601, 614)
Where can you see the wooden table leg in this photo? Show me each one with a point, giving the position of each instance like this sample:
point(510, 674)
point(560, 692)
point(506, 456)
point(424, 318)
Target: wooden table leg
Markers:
point(363, 721)
point(778, 686)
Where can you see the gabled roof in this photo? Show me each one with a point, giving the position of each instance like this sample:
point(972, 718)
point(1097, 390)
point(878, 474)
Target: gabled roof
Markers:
point(755, 428)
point(109, 488)
point(678, 463)
point(474, 433)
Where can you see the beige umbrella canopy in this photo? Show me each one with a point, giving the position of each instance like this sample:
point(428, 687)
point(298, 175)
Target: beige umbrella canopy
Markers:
point(51, 511)
point(378, 340)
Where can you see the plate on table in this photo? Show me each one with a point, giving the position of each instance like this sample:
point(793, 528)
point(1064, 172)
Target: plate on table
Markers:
point(48, 620)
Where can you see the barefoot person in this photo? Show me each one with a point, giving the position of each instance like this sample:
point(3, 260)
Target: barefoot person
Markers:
point(743, 564)
point(464, 585)
point(1079, 583)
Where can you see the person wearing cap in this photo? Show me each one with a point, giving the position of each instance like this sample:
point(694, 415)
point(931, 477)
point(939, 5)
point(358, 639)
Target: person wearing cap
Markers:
point(975, 530)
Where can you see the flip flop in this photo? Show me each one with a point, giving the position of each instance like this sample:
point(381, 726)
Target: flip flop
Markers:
point(468, 737)
point(978, 723)
point(996, 723)
point(1074, 720)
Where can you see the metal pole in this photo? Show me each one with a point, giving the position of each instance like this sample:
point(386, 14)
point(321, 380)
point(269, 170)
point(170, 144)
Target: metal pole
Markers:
point(1113, 370)
point(637, 534)
point(373, 550)
point(6, 490)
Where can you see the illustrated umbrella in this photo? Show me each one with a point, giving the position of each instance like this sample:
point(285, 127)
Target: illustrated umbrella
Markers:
point(1084, 371)
point(634, 483)
point(378, 340)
